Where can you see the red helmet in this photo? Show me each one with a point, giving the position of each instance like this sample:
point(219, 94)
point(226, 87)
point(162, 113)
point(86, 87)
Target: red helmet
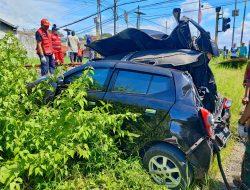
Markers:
point(45, 22)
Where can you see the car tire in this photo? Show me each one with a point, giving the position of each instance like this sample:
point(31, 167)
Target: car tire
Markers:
point(168, 165)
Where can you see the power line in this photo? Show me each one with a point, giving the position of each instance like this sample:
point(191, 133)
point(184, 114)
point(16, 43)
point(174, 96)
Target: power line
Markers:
point(94, 14)
point(160, 3)
point(194, 10)
point(168, 7)
point(148, 20)
point(157, 16)
point(109, 20)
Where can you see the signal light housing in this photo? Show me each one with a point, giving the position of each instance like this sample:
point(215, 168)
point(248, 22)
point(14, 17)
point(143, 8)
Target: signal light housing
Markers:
point(225, 24)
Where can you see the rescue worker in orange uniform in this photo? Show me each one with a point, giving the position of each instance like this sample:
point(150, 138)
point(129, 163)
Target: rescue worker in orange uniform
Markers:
point(57, 46)
point(44, 48)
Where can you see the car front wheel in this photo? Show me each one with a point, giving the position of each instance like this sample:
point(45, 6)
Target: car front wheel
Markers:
point(167, 166)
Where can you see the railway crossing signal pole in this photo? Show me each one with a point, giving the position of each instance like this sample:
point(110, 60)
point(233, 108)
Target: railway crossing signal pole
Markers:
point(139, 13)
point(115, 15)
point(243, 23)
point(218, 14)
point(225, 23)
point(235, 13)
point(217, 24)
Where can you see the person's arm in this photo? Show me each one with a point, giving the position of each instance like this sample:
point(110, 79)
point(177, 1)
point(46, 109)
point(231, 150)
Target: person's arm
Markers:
point(39, 44)
point(245, 100)
point(39, 48)
point(69, 44)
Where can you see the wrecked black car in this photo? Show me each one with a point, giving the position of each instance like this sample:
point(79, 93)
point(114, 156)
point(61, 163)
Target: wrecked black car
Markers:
point(168, 81)
point(178, 51)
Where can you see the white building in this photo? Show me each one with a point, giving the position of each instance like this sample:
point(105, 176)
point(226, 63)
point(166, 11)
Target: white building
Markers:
point(6, 27)
point(26, 37)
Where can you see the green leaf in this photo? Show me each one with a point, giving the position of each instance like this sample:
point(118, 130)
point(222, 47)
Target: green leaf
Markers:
point(31, 168)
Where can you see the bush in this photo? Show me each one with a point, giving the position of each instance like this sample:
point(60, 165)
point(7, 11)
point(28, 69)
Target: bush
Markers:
point(55, 146)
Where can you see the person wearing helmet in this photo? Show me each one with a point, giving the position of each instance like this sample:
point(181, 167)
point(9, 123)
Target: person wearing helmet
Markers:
point(57, 46)
point(44, 48)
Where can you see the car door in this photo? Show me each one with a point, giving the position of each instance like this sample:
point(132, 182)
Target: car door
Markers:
point(149, 95)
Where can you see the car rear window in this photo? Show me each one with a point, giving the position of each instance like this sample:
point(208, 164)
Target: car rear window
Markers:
point(159, 84)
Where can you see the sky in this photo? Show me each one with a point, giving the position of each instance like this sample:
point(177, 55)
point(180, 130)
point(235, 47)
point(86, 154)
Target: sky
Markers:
point(28, 13)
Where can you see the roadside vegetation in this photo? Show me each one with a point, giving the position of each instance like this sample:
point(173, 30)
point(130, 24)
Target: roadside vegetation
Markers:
point(59, 146)
point(68, 146)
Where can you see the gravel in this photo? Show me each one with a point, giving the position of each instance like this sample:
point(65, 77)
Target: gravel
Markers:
point(232, 166)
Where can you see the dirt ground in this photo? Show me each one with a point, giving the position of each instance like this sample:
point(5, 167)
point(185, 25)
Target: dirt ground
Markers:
point(232, 166)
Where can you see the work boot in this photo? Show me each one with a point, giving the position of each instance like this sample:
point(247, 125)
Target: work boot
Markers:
point(240, 185)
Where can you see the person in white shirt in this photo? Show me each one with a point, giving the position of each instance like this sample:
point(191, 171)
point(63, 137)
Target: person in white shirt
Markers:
point(73, 43)
point(234, 51)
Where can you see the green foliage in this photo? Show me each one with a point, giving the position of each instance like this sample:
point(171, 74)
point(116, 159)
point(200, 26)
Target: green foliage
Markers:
point(125, 175)
point(62, 145)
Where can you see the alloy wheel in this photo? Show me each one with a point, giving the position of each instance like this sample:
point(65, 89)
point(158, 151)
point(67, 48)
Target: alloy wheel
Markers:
point(164, 171)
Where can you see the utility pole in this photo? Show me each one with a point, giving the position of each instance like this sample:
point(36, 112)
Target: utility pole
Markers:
point(199, 12)
point(115, 15)
point(217, 26)
point(139, 13)
point(243, 23)
point(97, 27)
point(235, 13)
point(99, 16)
point(217, 9)
point(225, 23)
point(166, 27)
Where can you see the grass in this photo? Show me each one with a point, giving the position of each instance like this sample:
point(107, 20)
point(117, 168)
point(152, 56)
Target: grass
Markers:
point(229, 80)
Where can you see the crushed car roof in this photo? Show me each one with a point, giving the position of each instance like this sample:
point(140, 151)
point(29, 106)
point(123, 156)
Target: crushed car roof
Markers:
point(131, 40)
